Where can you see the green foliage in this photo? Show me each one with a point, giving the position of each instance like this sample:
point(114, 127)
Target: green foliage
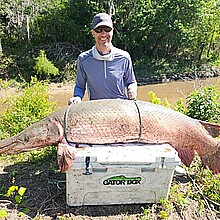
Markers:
point(206, 184)
point(42, 155)
point(214, 58)
point(200, 186)
point(167, 28)
point(204, 104)
point(163, 214)
point(5, 63)
point(173, 32)
point(180, 106)
point(16, 192)
point(6, 84)
point(3, 213)
point(23, 14)
point(44, 68)
point(145, 214)
point(166, 208)
point(178, 196)
point(26, 107)
point(68, 21)
point(155, 100)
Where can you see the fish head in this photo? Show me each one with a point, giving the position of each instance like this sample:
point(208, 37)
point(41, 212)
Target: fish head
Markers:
point(41, 134)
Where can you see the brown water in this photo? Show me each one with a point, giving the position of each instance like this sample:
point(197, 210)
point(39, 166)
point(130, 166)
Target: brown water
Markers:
point(175, 90)
point(172, 90)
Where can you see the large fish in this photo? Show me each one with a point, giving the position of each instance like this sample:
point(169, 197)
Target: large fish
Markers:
point(120, 121)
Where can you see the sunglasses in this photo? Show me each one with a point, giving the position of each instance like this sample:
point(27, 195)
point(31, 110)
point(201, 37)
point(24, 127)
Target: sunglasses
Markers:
point(100, 29)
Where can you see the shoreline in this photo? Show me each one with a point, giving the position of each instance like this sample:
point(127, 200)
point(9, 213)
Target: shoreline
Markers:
point(68, 87)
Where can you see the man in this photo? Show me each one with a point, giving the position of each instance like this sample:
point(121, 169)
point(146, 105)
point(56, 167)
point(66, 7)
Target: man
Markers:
point(106, 70)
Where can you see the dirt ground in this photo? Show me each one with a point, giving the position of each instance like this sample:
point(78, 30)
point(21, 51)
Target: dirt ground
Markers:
point(45, 197)
point(53, 89)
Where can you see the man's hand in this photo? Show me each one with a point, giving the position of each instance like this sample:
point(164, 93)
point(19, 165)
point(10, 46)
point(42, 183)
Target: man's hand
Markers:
point(74, 100)
point(132, 91)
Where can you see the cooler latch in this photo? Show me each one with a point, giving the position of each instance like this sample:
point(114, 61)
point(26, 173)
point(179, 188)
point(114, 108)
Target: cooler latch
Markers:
point(163, 165)
point(87, 161)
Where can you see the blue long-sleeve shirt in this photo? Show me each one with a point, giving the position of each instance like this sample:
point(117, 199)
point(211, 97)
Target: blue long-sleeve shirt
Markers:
point(104, 79)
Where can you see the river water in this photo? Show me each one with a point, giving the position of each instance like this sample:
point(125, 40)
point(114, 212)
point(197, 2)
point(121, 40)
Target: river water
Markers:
point(172, 90)
point(175, 90)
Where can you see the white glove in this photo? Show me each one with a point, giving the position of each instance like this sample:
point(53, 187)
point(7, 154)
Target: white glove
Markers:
point(132, 91)
point(74, 100)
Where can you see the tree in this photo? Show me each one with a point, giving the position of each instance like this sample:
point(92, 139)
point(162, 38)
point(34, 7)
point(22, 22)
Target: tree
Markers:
point(17, 16)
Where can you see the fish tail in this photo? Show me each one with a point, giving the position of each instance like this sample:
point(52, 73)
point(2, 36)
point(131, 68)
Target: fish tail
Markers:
point(212, 161)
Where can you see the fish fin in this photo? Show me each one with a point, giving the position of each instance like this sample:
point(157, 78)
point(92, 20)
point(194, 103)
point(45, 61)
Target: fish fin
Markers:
point(65, 157)
point(212, 128)
point(212, 161)
point(186, 155)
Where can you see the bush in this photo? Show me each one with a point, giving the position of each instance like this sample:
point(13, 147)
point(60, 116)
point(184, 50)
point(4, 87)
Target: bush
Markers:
point(155, 100)
point(45, 69)
point(204, 104)
point(26, 108)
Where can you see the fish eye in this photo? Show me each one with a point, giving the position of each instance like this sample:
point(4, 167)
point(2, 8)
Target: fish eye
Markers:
point(26, 138)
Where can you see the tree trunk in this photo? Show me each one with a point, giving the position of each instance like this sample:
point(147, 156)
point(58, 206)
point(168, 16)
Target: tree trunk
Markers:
point(1, 50)
point(111, 8)
point(210, 43)
point(28, 28)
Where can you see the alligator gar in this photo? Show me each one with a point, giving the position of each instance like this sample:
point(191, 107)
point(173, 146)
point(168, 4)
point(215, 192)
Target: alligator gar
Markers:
point(120, 121)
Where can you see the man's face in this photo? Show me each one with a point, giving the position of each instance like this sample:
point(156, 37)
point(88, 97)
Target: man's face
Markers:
point(103, 36)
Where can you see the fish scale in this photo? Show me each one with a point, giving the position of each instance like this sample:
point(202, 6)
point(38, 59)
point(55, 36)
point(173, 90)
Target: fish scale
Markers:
point(103, 123)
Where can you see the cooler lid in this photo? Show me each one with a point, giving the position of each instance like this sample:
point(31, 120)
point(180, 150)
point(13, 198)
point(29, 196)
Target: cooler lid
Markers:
point(129, 154)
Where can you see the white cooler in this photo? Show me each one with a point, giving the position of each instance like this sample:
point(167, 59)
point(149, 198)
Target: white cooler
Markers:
point(128, 174)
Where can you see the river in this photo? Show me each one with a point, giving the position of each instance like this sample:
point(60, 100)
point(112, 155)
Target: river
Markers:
point(172, 90)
